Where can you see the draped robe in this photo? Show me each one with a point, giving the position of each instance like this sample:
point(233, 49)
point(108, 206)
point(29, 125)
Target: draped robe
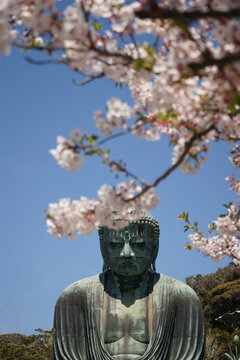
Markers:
point(177, 322)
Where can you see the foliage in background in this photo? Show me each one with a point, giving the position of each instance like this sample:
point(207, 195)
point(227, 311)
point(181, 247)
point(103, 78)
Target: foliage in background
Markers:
point(26, 347)
point(219, 293)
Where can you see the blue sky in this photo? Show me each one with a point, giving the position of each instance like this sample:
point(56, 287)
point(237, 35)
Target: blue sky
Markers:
point(37, 104)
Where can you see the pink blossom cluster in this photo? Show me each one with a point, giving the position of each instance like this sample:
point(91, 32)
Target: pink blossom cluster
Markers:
point(117, 115)
point(235, 158)
point(7, 34)
point(226, 242)
point(66, 153)
point(112, 208)
point(234, 183)
point(169, 98)
point(182, 85)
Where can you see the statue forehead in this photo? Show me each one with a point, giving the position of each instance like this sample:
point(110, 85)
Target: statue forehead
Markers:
point(131, 229)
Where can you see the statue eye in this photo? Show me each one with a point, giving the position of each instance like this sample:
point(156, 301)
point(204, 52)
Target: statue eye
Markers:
point(138, 240)
point(116, 241)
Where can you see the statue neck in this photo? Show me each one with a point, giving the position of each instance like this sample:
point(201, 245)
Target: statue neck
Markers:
point(130, 287)
point(130, 280)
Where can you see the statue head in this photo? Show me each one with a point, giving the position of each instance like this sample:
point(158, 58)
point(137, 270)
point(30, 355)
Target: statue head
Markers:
point(133, 249)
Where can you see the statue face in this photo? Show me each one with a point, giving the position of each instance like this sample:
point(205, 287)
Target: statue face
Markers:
point(128, 251)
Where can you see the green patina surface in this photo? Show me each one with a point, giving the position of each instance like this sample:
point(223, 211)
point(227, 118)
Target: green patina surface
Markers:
point(129, 311)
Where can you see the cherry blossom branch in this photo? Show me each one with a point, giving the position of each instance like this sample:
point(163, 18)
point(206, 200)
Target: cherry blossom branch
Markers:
point(187, 147)
point(114, 136)
point(43, 49)
point(119, 134)
point(155, 12)
point(60, 60)
point(41, 62)
point(118, 167)
point(208, 60)
point(226, 240)
point(103, 52)
point(106, 53)
point(88, 79)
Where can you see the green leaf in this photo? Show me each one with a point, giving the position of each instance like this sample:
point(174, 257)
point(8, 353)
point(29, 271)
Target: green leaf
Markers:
point(182, 25)
point(97, 25)
point(48, 216)
point(54, 17)
point(193, 156)
point(85, 136)
point(183, 216)
point(141, 64)
point(120, 84)
point(187, 227)
point(92, 139)
point(173, 141)
point(105, 153)
point(213, 226)
point(151, 52)
point(166, 116)
point(91, 152)
point(233, 101)
point(34, 43)
point(188, 72)
point(141, 118)
point(188, 246)
point(147, 65)
point(227, 206)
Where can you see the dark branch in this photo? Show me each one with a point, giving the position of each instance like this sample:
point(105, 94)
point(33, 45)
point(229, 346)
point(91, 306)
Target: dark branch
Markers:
point(119, 134)
point(127, 173)
point(88, 79)
point(106, 53)
point(188, 146)
point(101, 142)
point(209, 60)
point(41, 62)
point(156, 12)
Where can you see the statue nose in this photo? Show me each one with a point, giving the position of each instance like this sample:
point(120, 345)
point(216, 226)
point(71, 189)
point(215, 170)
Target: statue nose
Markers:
point(127, 251)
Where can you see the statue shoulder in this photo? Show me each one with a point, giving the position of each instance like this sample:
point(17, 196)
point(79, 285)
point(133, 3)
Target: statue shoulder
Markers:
point(176, 287)
point(79, 289)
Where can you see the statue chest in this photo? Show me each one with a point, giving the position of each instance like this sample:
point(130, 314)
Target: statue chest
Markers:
point(126, 328)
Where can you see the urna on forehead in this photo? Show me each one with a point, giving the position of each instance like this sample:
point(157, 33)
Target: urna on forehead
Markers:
point(146, 219)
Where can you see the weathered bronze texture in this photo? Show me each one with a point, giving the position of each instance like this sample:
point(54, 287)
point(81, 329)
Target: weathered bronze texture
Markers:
point(129, 311)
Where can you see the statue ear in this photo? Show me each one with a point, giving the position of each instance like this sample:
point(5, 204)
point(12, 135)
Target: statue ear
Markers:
point(105, 267)
point(155, 253)
point(152, 267)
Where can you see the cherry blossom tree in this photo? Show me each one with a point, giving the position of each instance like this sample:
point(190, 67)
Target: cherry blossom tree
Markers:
point(181, 62)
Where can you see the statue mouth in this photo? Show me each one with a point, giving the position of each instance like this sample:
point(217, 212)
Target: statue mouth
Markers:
point(127, 262)
point(132, 260)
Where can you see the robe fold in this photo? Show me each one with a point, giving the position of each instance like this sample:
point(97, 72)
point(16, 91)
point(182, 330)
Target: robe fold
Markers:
point(177, 322)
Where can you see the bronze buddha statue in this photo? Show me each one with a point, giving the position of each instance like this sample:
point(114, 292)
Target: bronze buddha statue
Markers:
point(129, 311)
